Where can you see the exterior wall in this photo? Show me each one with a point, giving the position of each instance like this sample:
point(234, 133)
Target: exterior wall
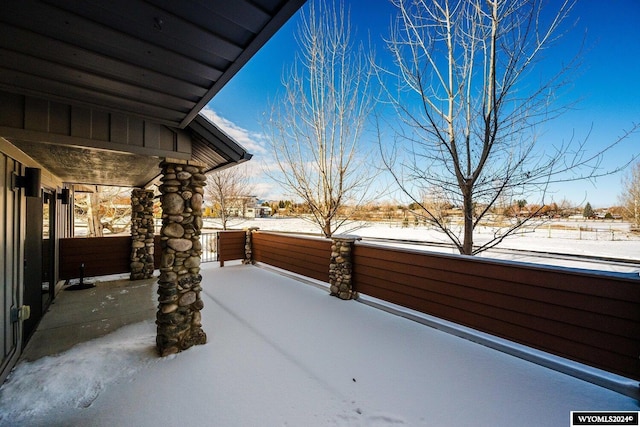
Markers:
point(12, 246)
point(11, 236)
point(32, 119)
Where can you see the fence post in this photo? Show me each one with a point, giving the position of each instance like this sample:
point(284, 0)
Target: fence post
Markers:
point(341, 267)
point(248, 246)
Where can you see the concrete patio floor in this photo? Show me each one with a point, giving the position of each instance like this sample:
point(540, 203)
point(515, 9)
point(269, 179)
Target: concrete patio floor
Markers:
point(283, 353)
point(83, 315)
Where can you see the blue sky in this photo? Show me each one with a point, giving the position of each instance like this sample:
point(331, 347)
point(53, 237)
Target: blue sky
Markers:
point(606, 86)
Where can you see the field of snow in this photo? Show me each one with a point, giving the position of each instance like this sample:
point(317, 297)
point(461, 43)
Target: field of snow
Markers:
point(601, 239)
point(281, 353)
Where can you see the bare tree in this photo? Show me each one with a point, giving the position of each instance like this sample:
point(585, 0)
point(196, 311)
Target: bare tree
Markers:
point(105, 208)
point(470, 109)
point(228, 191)
point(317, 124)
point(630, 198)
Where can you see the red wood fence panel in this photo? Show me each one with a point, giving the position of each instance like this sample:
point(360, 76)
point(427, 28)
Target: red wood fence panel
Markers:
point(303, 255)
point(588, 317)
point(103, 255)
point(100, 255)
point(231, 245)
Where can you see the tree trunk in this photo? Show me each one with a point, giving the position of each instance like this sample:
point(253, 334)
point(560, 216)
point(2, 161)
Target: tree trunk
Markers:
point(467, 245)
point(327, 228)
point(93, 216)
point(223, 220)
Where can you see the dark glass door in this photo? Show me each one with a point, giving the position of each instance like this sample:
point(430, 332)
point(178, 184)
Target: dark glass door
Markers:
point(33, 265)
point(39, 251)
point(48, 248)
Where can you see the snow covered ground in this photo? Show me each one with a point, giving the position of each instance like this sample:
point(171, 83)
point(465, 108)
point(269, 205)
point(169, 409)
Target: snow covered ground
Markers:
point(283, 353)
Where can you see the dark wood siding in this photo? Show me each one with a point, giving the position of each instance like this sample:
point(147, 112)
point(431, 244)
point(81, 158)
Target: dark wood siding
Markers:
point(587, 317)
point(303, 255)
point(63, 229)
point(11, 246)
point(100, 255)
point(231, 245)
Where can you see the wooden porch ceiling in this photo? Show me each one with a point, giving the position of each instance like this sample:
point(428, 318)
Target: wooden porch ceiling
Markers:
point(143, 63)
point(161, 60)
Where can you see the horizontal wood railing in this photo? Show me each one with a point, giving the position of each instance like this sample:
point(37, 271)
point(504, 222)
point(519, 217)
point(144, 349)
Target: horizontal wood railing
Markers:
point(589, 317)
point(231, 245)
point(112, 254)
point(593, 318)
point(307, 256)
point(100, 256)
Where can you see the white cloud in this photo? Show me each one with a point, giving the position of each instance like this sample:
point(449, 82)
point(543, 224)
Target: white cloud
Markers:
point(253, 142)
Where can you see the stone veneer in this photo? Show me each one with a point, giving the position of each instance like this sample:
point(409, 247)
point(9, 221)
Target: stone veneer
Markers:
point(340, 267)
point(179, 303)
point(142, 234)
point(248, 246)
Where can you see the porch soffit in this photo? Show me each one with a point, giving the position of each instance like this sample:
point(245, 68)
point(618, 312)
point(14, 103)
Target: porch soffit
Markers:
point(212, 147)
point(100, 158)
point(160, 60)
point(91, 166)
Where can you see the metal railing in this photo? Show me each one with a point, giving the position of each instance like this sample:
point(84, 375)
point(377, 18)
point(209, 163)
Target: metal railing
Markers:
point(209, 243)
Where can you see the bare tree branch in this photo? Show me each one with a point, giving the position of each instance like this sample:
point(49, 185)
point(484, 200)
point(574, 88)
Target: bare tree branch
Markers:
point(226, 191)
point(470, 108)
point(630, 198)
point(316, 126)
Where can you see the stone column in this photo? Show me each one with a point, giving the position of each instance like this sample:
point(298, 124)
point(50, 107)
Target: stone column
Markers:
point(179, 303)
point(341, 268)
point(248, 246)
point(142, 233)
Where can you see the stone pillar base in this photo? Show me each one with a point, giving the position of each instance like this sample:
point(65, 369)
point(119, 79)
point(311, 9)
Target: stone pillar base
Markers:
point(341, 268)
point(142, 234)
point(248, 246)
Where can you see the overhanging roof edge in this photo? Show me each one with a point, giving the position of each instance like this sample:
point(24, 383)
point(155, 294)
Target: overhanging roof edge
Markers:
point(218, 140)
point(261, 38)
point(227, 165)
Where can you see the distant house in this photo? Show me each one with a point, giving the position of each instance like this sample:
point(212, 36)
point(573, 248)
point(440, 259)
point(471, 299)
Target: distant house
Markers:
point(248, 207)
point(607, 215)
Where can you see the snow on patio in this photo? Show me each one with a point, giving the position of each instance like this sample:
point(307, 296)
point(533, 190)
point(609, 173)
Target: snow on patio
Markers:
point(283, 353)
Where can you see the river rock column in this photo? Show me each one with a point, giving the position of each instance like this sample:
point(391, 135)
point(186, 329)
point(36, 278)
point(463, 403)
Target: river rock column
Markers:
point(248, 245)
point(341, 268)
point(178, 318)
point(142, 234)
